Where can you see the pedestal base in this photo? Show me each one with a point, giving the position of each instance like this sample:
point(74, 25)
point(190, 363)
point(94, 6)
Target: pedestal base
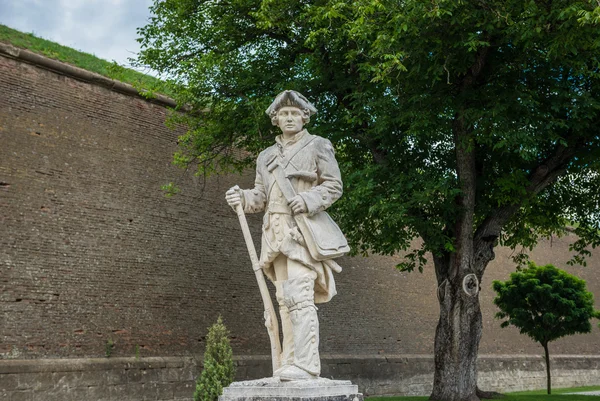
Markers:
point(272, 389)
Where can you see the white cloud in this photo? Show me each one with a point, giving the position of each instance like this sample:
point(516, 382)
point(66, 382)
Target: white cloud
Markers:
point(106, 28)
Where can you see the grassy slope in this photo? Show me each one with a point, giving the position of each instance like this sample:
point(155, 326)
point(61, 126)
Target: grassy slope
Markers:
point(77, 58)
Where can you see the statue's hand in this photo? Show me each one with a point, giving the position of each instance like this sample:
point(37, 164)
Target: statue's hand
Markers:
point(298, 205)
point(234, 196)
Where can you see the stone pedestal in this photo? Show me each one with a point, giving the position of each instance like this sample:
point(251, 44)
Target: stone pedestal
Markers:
point(272, 389)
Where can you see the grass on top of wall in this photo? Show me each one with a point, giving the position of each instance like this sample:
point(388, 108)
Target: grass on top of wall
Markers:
point(79, 59)
point(559, 394)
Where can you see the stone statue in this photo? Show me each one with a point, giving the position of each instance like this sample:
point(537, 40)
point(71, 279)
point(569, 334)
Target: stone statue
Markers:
point(297, 178)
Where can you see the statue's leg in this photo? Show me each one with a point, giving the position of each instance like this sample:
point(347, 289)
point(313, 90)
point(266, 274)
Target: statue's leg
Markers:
point(287, 347)
point(298, 293)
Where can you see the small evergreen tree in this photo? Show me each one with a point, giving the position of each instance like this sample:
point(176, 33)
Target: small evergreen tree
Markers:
point(545, 303)
point(219, 369)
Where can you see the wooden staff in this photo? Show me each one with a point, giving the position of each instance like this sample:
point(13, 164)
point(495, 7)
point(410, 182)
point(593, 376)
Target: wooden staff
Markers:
point(270, 317)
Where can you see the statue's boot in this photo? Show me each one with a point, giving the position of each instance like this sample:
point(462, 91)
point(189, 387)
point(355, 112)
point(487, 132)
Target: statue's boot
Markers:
point(299, 298)
point(287, 347)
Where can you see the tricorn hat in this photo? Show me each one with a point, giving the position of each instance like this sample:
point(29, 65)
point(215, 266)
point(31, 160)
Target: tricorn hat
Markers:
point(293, 99)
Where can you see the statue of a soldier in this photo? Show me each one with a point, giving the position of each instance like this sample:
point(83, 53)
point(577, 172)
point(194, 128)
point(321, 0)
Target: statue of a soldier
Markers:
point(297, 178)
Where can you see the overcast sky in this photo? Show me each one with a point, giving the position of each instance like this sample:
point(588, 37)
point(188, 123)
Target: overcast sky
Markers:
point(105, 28)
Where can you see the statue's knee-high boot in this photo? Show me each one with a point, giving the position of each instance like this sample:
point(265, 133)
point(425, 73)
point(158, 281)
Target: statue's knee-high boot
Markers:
point(299, 298)
point(287, 347)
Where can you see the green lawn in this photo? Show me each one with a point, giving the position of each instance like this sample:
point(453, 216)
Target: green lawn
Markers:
point(536, 395)
point(508, 397)
point(78, 58)
point(559, 391)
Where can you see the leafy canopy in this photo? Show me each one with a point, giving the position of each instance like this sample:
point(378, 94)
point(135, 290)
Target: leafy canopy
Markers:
point(545, 303)
point(392, 81)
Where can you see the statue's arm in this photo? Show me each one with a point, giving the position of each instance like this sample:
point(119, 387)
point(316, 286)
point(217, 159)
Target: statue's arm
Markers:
point(254, 200)
point(329, 187)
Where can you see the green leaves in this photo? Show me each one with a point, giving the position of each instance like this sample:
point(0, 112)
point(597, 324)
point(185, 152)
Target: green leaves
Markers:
point(390, 80)
point(545, 303)
point(170, 189)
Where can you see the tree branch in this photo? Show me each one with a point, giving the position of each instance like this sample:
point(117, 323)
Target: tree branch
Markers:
point(466, 172)
point(541, 177)
point(475, 71)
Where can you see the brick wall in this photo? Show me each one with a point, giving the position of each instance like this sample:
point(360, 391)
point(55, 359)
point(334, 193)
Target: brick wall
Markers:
point(92, 252)
point(90, 249)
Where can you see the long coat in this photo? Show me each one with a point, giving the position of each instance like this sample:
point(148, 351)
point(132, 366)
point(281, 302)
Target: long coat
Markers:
point(309, 162)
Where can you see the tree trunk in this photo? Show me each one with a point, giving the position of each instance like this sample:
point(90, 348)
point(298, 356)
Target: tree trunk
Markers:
point(548, 379)
point(457, 337)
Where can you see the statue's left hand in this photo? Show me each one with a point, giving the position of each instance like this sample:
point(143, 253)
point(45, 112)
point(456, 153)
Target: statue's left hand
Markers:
point(298, 205)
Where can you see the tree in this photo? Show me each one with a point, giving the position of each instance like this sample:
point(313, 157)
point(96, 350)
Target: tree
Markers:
point(219, 370)
point(467, 123)
point(545, 303)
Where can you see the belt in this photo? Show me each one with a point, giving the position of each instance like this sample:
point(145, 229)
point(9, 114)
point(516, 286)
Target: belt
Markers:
point(279, 208)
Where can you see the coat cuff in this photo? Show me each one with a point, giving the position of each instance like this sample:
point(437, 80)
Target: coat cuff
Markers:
point(252, 201)
point(317, 200)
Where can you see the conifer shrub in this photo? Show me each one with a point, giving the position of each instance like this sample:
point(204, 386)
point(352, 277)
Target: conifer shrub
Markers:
point(219, 369)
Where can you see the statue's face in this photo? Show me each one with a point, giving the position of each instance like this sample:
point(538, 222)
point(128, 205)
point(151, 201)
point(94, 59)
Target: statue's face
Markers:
point(289, 120)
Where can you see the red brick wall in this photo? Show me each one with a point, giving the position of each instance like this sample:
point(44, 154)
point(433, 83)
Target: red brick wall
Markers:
point(91, 251)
